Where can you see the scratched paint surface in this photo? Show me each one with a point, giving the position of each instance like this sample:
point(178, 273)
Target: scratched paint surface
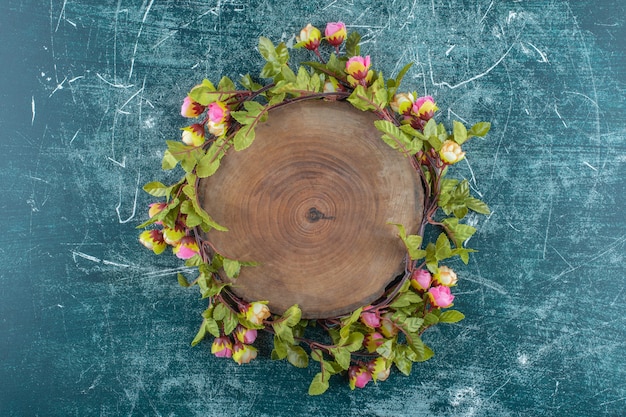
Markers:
point(91, 324)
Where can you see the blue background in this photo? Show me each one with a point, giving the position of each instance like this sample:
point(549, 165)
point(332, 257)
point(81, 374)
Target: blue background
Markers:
point(92, 324)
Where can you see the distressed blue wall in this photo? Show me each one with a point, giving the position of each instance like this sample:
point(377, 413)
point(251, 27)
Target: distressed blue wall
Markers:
point(91, 324)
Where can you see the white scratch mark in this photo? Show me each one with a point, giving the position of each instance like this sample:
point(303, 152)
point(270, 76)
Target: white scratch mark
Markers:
point(544, 58)
point(545, 241)
point(74, 137)
point(119, 204)
point(512, 15)
point(485, 15)
point(590, 166)
point(112, 84)
point(450, 49)
point(58, 87)
point(513, 227)
point(61, 15)
point(482, 74)
point(450, 111)
point(122, 164)
point(131, 97)
point(32, 108)
point(76, 78)
point(561, 256)
point(487, 283)
point(499, 388)
point(132, 59)
point(610, 248)
point(85, 256)
point(558, 114)
point(116, 264)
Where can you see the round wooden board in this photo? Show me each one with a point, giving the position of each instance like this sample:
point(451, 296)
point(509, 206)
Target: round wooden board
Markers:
point(311, 201)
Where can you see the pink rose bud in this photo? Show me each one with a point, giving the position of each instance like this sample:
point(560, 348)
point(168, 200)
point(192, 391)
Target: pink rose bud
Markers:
point(420, 279)
point(370, 318)
point(222, 347)
point(173, 236)
point(190, 108)
point(257, 312)
point(402, 103)
point(153, 240)
point(247, 336)
point(379, 369)
point(358, 376)
point(218, 112)
point(387, 327)
point(186, 248)
point(358, 67)
point(156, 208)
point(244, 353)
point(335, 33)
point(445, 276)
point(451, 152)
point(424, 107)
point(440, 296)
point(193, 135)
point(372, 341)
point(310, 37)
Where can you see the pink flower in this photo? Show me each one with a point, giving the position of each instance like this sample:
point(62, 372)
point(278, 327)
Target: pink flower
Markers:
point(156, 208)
point(222, 347)
point(218, 112)
point(445, 276)
point(153, 240)
point(379, 369)
point(193, 135)
point(244, 353)
point(372, 341)
point(358, 376)
point(358, 67)
point(244, 335)
point(451, 152)
point(335, 33)
point(369, 318)
point(256, 312)
point(186, 248)
point(190, 108)
point(440, 296)
point(424, 107)
point(420, 279)
point(310, 37)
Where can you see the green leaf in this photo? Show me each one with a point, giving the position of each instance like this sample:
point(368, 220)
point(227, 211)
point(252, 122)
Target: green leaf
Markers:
point(460, 232)
point(266, 48)
point(284, 332)
point(396, 83)
point(231, 267)
point(386, 349)
point(396, 138)
point(413, 324)
point(200, 335)
point(297, 356)
point(157, 189)
point(430, 130)
point(317, 355)
point(226, 84)
point(280, 348)
point(361, 99)
point(460, 132)
point(354, 341)
point(212, 327)
point(230, 322)
point(430, 319)
point(401, 361)
point(319, 385)
point(169, 161)
point(342, 356)
point(244, 137)
point(479, 129)
point(207, 166)
point(182, 281)
point(477, 205)
point(220, 311)
point(413, 243)
point(292, 315)
point(352, 44)
point(442, 247)
point(451, 316)
point(249, 84)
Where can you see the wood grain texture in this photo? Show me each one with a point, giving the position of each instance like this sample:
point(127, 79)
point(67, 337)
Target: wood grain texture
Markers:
point(309, 201)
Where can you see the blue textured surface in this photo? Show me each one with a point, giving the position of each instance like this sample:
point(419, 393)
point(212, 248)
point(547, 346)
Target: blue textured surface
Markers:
point(91, 324)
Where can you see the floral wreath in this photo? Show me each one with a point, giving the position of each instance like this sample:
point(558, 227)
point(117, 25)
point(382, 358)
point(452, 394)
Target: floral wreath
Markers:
point(364, 344)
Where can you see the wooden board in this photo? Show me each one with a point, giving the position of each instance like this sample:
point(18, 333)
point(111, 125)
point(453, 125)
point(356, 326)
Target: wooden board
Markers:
point(311, 200)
